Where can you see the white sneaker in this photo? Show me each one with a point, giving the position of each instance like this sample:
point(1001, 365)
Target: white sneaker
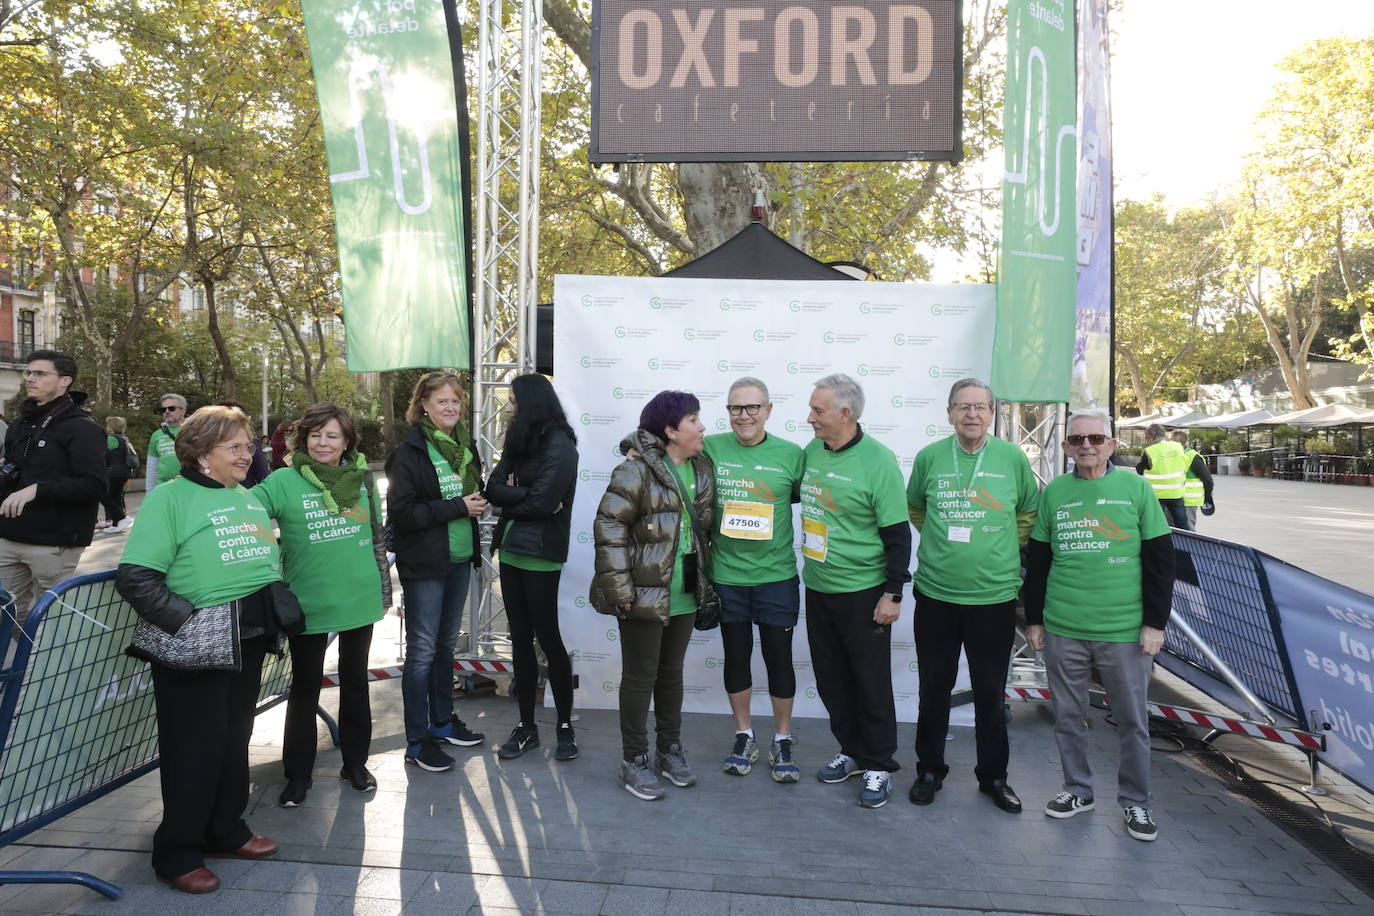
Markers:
point(124, 524)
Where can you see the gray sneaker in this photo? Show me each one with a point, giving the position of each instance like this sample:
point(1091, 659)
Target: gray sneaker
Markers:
point(639, 780)
point(1066, 804)
point(673, 765)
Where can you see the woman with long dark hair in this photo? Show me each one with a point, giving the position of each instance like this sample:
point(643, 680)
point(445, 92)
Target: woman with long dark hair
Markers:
point(533, 485)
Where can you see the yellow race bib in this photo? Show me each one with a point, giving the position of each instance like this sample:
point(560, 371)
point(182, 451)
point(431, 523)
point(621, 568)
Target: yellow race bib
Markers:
point(815, 539)
point(747, 521)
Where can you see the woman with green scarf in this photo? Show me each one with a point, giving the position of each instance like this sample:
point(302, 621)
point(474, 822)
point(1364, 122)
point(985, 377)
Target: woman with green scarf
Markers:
point(332, 557)
point(433, 503)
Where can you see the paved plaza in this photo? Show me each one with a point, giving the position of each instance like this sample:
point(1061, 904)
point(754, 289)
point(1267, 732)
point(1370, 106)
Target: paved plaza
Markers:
point(533, 835)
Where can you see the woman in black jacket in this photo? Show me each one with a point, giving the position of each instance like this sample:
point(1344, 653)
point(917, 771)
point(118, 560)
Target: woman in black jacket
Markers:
point(433, 502)
point(533, 485)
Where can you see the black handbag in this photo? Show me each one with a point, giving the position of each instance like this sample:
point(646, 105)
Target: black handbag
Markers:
point(708, 605)
point(286, 609)
point(207, 641)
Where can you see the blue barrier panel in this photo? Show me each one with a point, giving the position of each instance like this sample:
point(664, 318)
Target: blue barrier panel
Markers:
point(77, 718)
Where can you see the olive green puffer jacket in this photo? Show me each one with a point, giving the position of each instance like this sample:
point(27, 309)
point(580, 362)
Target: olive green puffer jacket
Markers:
point(636, 531)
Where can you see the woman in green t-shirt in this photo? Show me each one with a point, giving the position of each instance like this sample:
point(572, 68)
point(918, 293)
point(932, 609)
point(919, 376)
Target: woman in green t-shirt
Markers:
point(651, 564)
point(326, 506)
point(203, 540)
point(433, 500)
point(533, 485)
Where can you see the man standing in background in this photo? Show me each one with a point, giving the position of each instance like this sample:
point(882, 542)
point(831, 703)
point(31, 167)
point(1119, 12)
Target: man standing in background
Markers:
point(161, 460)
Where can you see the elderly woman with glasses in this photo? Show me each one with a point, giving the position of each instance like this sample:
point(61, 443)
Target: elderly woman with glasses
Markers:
point(202, 541)
point(433, 500)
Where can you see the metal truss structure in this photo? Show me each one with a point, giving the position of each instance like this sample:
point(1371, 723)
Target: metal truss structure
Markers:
point(509, 53)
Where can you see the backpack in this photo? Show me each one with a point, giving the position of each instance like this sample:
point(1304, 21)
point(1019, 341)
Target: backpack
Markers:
point(130, 457)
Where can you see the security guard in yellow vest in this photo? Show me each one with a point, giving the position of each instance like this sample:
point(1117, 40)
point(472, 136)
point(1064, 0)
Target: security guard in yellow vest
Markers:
point(1197, 485)
point(1165, 467)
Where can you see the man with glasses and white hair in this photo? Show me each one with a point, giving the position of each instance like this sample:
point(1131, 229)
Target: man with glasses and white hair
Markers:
point(161, 463)
point(973, 498)
point(1099, 587)
point(856, 550)
point(754, 569)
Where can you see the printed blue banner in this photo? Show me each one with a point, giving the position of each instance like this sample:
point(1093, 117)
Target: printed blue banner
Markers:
point(1092, 350)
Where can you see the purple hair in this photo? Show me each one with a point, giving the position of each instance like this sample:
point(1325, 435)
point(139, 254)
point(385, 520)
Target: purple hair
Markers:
point(667, 408)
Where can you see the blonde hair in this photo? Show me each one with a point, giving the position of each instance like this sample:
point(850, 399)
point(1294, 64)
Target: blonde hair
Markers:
point(205, 429)
point(116, 424)
point(430, 383)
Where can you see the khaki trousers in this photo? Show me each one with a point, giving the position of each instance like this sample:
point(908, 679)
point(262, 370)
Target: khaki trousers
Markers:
point(29, 570)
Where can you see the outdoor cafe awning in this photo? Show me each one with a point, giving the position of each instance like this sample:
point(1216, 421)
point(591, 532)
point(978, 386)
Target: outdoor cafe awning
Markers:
point(1237, 420)
point(1323, 417)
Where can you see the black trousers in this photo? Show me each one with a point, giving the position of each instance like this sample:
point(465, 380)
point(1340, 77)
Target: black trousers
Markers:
point(204, 721)
point(1176, 513)
point(651, 669)
point(852, 660)
point(114, 499)
point(355, 710)
point(531, 599)
point(985, 633)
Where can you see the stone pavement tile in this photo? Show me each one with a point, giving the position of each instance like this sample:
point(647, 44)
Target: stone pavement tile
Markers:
point(333, 880)
point(803, 906)
point(758, 905)
point(885, 909)
point(698, 903)
point(997, 901)
point(390, 883)
point(672, 879)
point(541, 896)
point(270, 875)
point(623, 900)
point(456, 890)
point(1186, 897)
point(312, 905)
point(1288, 891)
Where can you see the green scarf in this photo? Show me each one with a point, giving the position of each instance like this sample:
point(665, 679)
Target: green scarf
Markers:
point(341, 484)
point(458, 455)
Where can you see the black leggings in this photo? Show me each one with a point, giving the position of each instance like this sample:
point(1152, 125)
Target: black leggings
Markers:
point(531, 600)
point(776, 643)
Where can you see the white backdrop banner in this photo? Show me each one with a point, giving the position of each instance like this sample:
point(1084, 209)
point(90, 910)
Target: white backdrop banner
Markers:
point(621, 340)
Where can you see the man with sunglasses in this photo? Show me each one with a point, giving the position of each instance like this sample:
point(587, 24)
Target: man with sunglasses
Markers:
point(51, 482)
point(973, 498)
point(1099, 587)
point(754, 569)
point(162, 464)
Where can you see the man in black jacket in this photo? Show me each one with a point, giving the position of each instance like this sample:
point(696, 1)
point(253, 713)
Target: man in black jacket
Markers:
point(51, 481)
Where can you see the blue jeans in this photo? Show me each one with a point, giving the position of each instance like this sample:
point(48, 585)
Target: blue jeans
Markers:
point(434, 617)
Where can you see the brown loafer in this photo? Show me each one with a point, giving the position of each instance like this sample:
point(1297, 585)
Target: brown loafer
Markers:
point(257, 847)
point(200, 881)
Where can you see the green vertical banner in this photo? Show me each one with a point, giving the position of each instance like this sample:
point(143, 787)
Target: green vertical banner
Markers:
point(1037, 273)
point(384, 75)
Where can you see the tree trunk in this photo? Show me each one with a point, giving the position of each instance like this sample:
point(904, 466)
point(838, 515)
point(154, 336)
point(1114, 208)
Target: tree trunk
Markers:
point(716, 199)
point(229, 383)
point(390, 429)
point(1142, 396)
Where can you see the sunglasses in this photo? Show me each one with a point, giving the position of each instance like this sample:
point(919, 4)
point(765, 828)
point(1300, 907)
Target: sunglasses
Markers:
point(1090, 438)
point(170, 409)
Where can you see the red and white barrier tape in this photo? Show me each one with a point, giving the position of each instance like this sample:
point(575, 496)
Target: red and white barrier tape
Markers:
point(1295, 737)
point(459, 664)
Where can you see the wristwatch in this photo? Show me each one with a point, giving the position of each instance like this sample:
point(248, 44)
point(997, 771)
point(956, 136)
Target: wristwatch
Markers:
point(895, 596)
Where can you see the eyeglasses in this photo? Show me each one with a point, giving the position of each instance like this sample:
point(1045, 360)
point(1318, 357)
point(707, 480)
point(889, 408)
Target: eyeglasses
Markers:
point(750, 409)
point(1091, 438)
point(238, 449)
point(170, 408)
point(971, 408)
point(37, 373)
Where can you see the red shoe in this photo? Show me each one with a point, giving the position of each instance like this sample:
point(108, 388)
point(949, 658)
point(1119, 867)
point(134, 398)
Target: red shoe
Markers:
point(200, 881)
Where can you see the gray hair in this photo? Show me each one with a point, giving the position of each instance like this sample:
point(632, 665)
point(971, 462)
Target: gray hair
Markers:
point(1154, 431)
point(847, 392)
point(1092, 413)
point(748, 381)
point(972, 383)
point(181, 402)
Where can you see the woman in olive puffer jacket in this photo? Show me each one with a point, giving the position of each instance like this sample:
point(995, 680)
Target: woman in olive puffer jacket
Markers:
point(651, 566)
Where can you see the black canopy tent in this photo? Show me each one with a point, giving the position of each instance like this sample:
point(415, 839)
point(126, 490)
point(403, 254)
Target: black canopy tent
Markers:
point(753, 253)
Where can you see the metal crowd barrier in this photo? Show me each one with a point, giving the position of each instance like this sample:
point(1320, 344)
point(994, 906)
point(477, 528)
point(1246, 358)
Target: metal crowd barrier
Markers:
point(77, 719)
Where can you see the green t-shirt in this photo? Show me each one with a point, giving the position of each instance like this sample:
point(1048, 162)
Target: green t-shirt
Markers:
point(451, 487)
point(327, 558)
point(1094, 529)
point(533, 564)
point(969, 551)
point(755, 488)
point(679, 601)
point(846, 496)
point(215, 544)
point(165, 448)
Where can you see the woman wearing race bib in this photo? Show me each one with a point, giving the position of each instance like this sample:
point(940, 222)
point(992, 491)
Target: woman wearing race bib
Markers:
point(533, 485)
point(202, 540)
point(326, 506)
point(432, 502)
point(651, 561)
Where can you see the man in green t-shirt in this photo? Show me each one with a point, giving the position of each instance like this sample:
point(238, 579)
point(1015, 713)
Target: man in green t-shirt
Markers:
point(973, 499)
point(161, 463)
point(856, 550)
point(754, 569)
point(1099, 588)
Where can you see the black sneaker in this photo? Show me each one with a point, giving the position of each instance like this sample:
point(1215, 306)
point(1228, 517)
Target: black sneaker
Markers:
point(567, 744)
point(359, 777)
point(427, 756)
point(293, 796)
point(522, 738)
point(455, 732)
